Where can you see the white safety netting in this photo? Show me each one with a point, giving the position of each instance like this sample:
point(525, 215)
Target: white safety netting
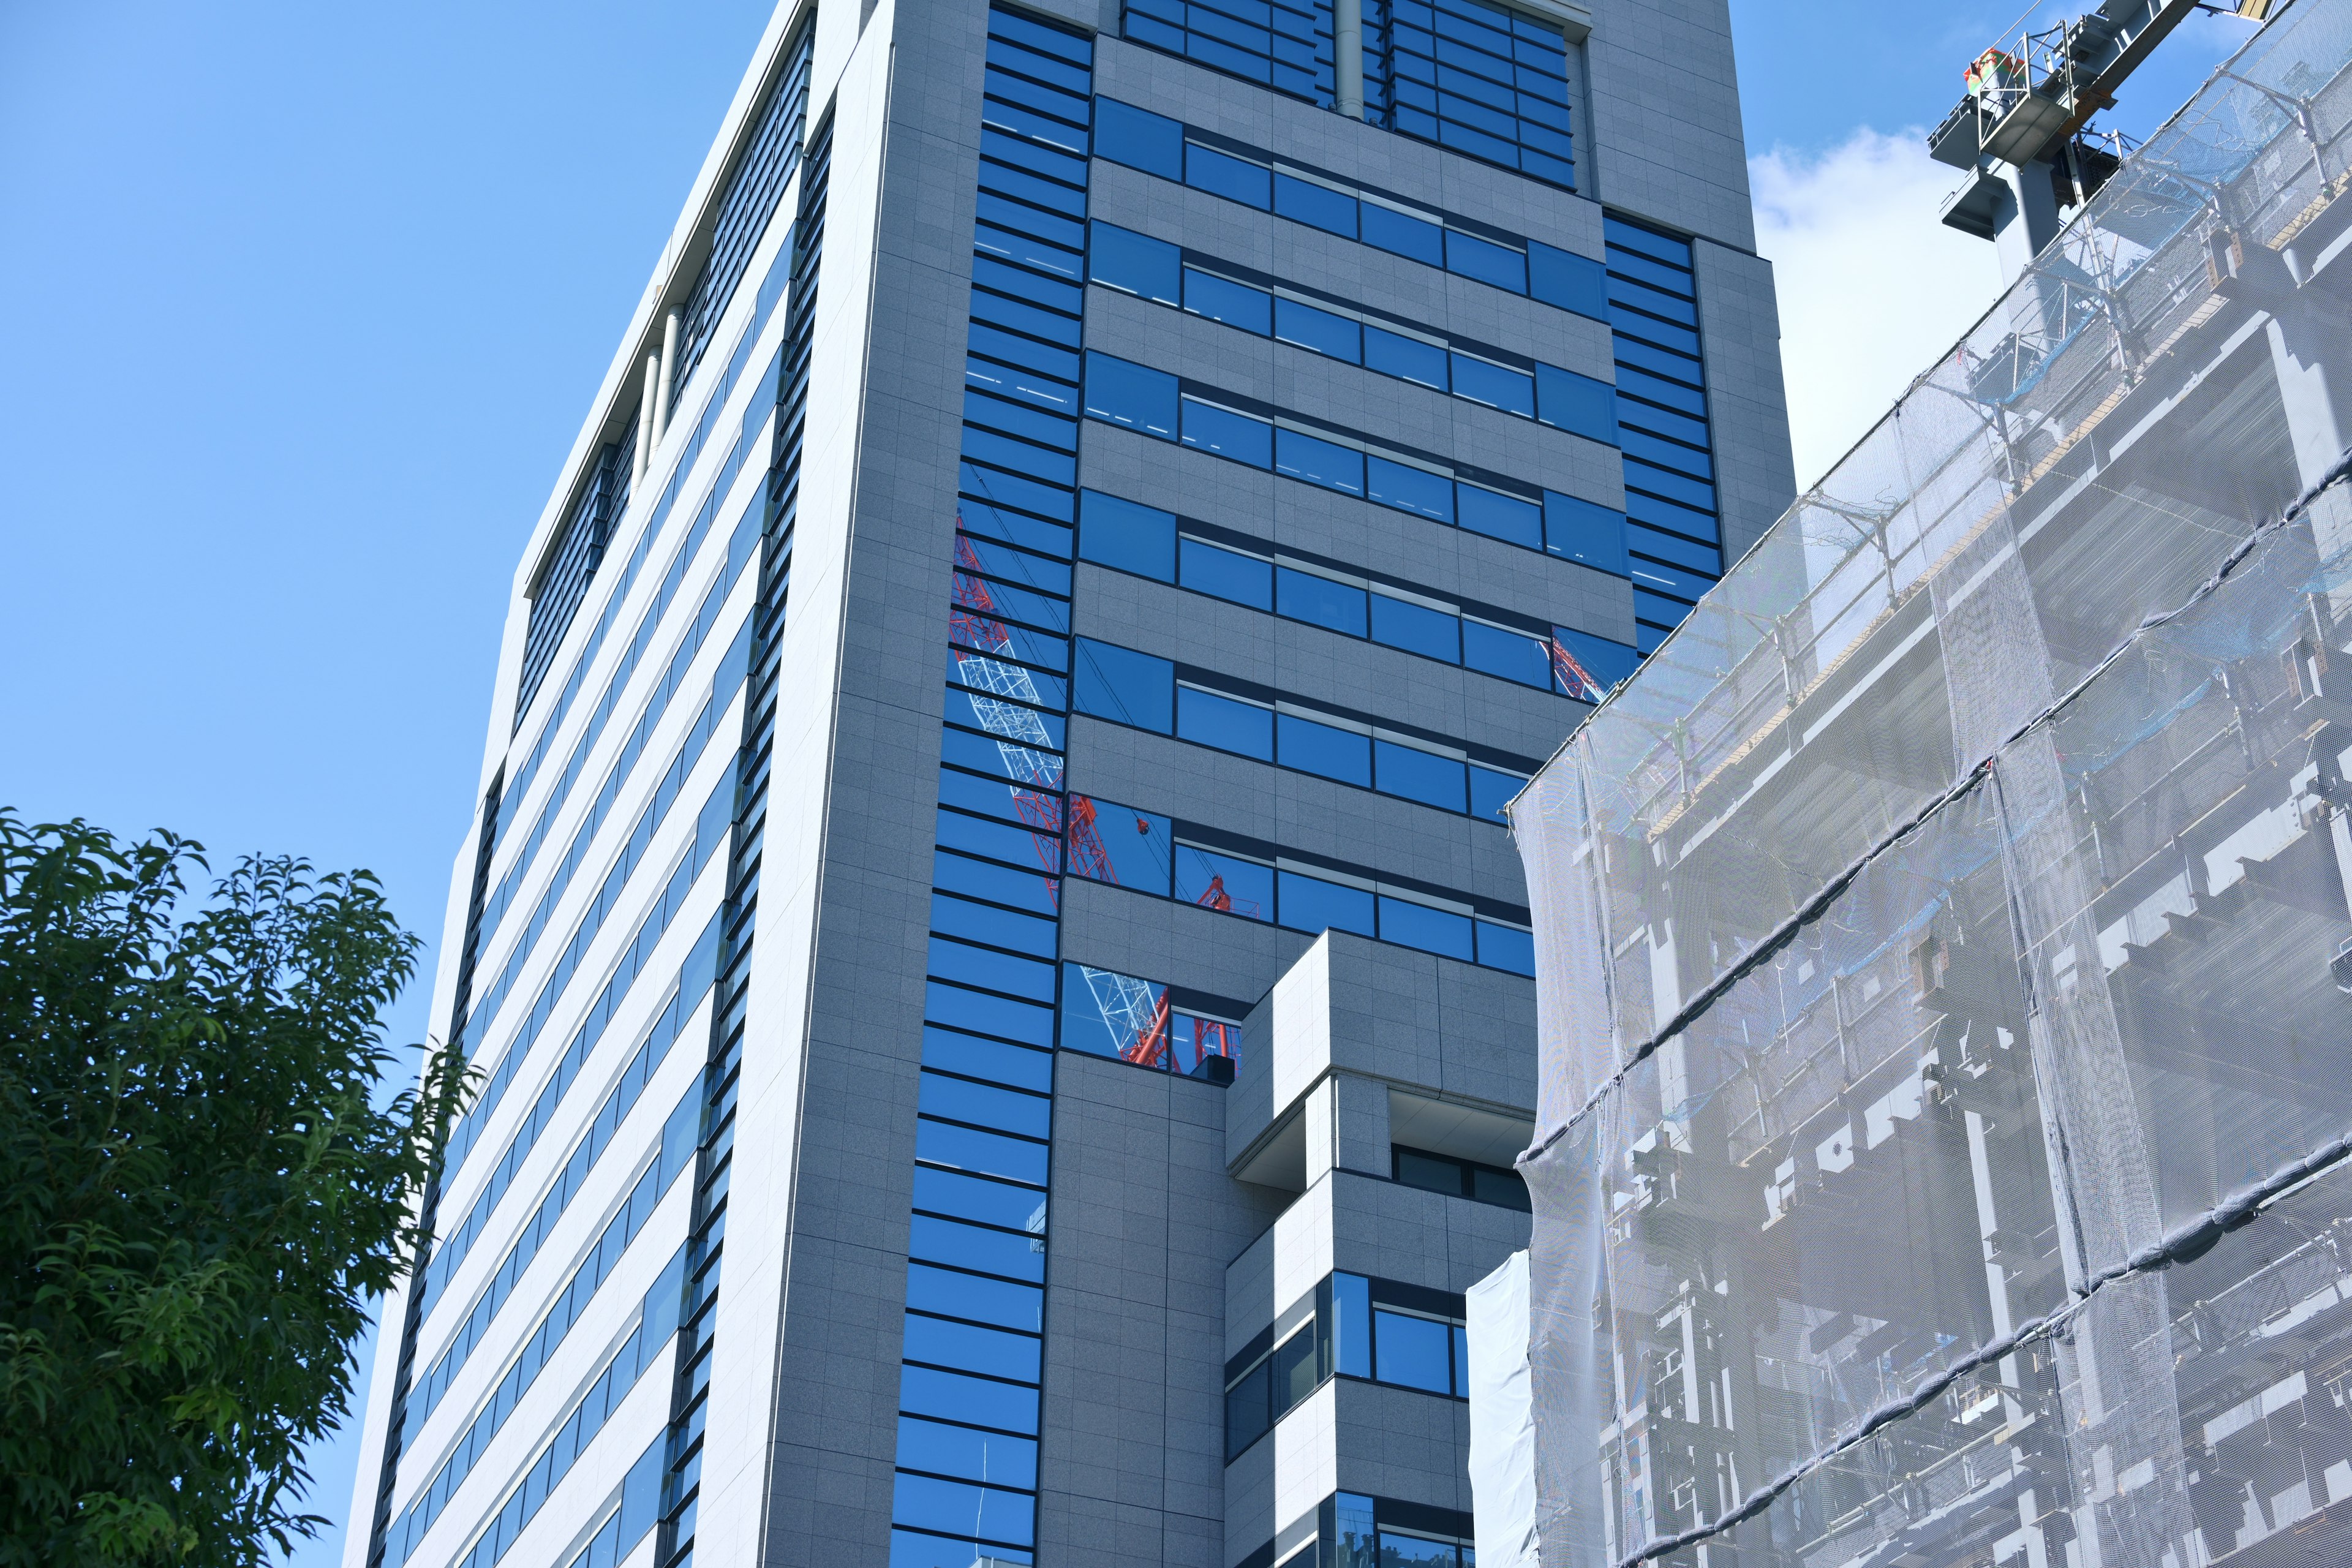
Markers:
point(1944, 946)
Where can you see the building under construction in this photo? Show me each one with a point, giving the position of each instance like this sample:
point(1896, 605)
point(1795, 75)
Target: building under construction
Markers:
point(1942, 940)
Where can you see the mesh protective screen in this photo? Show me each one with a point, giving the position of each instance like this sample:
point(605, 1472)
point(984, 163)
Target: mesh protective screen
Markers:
point(1944, 950)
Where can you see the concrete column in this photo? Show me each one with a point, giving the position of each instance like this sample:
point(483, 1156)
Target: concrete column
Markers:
point(2027, 218)
point(1348, 56)
point(668, 369)
point(1359, 1125)
point(646, 422)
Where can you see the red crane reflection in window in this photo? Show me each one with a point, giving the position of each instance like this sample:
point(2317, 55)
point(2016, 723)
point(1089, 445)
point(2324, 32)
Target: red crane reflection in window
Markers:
point(1021, 738)
point(1574, 679)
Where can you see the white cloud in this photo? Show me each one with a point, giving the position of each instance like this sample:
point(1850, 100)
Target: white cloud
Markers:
point(1873, 288)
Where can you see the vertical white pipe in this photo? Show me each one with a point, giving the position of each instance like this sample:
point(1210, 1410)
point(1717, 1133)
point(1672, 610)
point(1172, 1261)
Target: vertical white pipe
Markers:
point(669, 361)
point(646, 422)
point(1348, 56)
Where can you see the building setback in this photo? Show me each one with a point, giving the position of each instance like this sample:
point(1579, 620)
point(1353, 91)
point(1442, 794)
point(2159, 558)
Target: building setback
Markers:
point(1003, 991)
point(1944, 948)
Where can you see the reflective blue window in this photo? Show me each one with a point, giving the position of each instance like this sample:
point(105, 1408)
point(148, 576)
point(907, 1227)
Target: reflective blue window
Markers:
point(1131, 394)
point(1671, 515)
point(1419, 775)
point(1025, 890)
point(1209, 719)
point(1660, 545)
point(1284, 44)
point(971, 965)
point(1584, 531)
point(999, 840)
point(1056, 117)
point(1019, 457)
point(1239, 436)
point(1134, 262)
point(1502, 517)
point(1673, 487)
point(1409, 924)
point(925, 1391)
point(1417, 1353)
point(1487, 261)
point(990, 520)
point(1224, 882)
point(1499, 386)
point(1007, 348)
point(1637, 413)
point(1408, 489)
point(1310, 903)
point(1009, 245)
point(1417, 629)
point(1505, 947)
point(911, 1548)
point(987, 272)
point(1005, 601)
point(968, 1347)
point(1106, 1013)
point(1318, 461)
point(960, 1451)
point(1222, 175)
point(1392, 354)
point(970, 1246)
point(1655, 388)
point(1021, 386)
point(1491, 791)
point(1139, 138)
point(983, 1105)
point(1474, 77)
point(1303, 597)
point(1319, 205)
point(986, 1014)
point(986, 922)
point(1658, 609)
point(1667, 454)
point(1112, 843)
point(972, 1149)
point(1050, 325)
point(1508, 653)
point(974, 1056)
point(1576, 403)
point(1351, 1325)
point(1011, 216)
point(1655, 578)
point(999, 1301)
point(1589, 666)
point(1124, 685)
point(1338, 336)
point(1127, 535)
point(1572, 282)
point(1221, 299)
point(1325, 749)
point(1403, 234)
point(1397, 1550)
point(1226, 574)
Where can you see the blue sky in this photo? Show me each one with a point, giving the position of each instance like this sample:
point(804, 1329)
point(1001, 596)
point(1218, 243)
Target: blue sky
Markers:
point(310, 302)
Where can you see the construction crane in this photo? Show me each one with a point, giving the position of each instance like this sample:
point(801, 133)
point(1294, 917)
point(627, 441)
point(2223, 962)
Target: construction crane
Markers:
point(2018, 129)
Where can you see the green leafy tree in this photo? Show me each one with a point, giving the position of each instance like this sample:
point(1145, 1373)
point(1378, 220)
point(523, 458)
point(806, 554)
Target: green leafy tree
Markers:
point(198, 1191)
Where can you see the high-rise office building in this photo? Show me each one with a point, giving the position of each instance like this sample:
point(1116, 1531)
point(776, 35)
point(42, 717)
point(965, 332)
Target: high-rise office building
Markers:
point(1003, 994)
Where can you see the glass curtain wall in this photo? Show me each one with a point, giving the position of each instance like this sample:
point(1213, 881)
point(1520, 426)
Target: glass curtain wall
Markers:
point(969, 1391)
point(681, 1448)
point(1672, 533)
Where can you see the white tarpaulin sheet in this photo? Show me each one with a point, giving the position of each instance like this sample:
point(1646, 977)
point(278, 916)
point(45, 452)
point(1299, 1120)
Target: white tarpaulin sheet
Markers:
point(1502, 1418)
